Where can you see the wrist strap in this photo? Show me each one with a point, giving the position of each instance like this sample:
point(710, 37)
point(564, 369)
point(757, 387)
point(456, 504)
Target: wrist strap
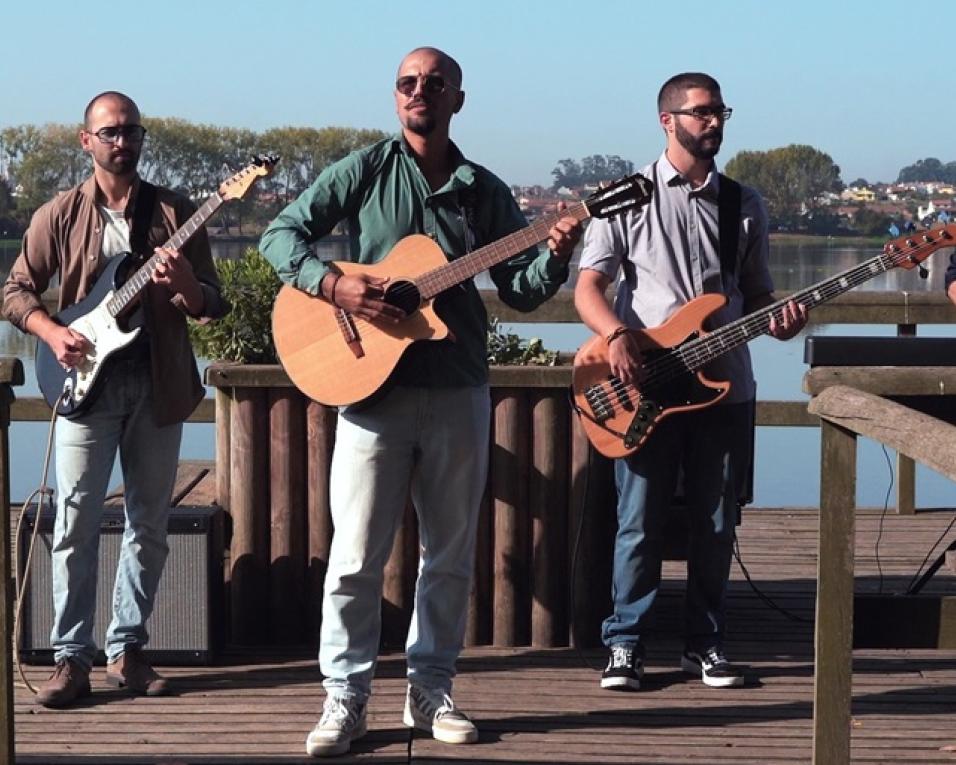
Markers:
point(332, 288)
point(618, 331)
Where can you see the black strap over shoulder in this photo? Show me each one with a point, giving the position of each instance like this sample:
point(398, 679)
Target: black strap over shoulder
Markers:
point(145, 201)
point(728, 216)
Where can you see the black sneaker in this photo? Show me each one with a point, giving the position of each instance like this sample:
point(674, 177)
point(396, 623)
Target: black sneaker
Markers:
point(624, 669)
point(712, 667)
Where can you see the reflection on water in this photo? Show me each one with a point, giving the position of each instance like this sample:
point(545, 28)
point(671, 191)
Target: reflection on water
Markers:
point(787, 459)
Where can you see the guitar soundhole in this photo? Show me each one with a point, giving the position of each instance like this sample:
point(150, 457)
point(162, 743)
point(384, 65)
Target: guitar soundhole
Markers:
point(405, 295)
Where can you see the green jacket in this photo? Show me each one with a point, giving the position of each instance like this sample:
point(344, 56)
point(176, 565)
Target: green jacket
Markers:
point(384, 197)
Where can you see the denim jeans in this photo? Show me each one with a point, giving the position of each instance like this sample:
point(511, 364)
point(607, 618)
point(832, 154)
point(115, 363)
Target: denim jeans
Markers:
point(120, 418)
point(701, 443)
point(433, 443)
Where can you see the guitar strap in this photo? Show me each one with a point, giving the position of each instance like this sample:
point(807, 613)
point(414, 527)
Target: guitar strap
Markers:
point(142, 215)
point(728, 227)
point(139, 246)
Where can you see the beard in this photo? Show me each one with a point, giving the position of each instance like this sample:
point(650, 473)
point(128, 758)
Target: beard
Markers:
point(420, 123)
point(119, 164)
point(705, 146)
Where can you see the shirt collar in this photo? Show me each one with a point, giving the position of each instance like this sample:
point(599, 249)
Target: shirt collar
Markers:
point(90, 189)
point(672, 177)
point(463, 175)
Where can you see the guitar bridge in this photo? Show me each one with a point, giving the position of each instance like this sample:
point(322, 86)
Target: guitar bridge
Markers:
point(349, 331)
point(605, 398)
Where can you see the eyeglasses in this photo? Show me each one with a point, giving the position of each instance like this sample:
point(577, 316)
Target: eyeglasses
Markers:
point(432, 84)
point(707, 113)
point(131, 133)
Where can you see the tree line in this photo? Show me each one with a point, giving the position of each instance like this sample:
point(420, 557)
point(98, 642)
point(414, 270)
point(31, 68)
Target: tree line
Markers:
point(189, 157)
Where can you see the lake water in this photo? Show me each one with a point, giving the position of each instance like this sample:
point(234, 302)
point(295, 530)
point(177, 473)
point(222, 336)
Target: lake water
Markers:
point(787, 467)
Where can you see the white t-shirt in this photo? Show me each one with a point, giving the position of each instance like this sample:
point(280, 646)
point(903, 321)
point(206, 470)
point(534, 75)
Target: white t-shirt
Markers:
point(115, 232)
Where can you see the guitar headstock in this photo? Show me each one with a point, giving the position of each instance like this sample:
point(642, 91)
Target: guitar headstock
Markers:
point(630, 191)
point(236, 187)
point(913, 248)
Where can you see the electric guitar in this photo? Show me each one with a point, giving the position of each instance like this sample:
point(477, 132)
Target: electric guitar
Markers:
point(618, 418)
point(99, 317)
point(337, 358)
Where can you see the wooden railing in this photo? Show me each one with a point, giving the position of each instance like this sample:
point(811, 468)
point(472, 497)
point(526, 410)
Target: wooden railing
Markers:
point(845, 414)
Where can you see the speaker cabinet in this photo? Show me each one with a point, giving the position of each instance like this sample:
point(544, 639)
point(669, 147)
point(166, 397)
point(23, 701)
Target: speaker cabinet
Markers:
point(188, 619)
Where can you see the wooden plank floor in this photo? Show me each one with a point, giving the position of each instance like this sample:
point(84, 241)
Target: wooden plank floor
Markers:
point(536, 706)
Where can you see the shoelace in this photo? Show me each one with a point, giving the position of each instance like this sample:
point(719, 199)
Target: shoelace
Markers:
point(622, 656)
point(340, 711)
point(713, 657)
point(436, 709)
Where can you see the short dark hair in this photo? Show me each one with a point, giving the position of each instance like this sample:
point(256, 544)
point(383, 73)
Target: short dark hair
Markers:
point(671, 95)
point(452, 64)
point(105, 94)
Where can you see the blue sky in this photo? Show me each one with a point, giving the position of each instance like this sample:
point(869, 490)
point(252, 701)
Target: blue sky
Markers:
point(865, 82)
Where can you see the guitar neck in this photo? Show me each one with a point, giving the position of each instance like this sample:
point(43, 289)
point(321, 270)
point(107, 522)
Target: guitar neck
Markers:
point(433, 282)
point(135, 283)
point(696, 353)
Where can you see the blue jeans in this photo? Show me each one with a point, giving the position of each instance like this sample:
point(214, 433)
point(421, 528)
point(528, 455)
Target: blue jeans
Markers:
point(701, 443)
point(432, 442)
point(121, 419)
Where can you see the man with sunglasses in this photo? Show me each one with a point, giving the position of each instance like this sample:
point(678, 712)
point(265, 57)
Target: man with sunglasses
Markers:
point(701, 233)
point(427, 434)
point(149, 389)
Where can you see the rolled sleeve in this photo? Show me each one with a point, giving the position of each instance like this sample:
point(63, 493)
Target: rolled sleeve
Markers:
point(603, 249)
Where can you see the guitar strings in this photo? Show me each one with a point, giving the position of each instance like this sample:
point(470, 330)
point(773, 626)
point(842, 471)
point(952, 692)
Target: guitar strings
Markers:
point(694, 354)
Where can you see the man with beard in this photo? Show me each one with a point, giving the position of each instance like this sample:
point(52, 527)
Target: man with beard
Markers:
point(426, 434)
point(151, 387)
point(668, 253)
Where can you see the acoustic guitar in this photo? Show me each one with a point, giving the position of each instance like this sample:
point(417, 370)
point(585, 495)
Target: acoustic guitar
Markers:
point(619, 418)
point(100, 316)
point(337, 358)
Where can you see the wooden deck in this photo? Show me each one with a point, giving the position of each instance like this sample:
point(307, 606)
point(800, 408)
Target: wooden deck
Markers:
point(536, 706)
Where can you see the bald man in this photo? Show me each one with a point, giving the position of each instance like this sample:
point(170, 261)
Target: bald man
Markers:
point(150, 388)
point(427, 434)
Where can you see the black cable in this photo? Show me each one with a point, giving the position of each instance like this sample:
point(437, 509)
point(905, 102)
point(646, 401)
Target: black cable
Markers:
point(913, 581)
point(886, 505)
point(764, 598)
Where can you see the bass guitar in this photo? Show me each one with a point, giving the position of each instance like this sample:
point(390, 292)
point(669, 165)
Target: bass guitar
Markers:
point(337, 358)
point(618, 418)
point(99, 317)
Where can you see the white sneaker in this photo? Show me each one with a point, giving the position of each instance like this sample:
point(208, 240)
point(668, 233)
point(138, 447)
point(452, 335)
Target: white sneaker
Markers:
point(343, 721)
point(433, 711)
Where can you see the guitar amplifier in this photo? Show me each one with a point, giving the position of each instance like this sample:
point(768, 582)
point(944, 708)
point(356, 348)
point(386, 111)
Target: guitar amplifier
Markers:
point(890, 352)
point(880, 351)
point(188, 618)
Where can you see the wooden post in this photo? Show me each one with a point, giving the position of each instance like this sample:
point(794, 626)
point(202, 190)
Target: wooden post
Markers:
point(833, 639)
point(510, 495)
point(320, 436)
point(549, 517)
point(905, 485)
point(248, 502)
point(11, 374)
point(287, 560)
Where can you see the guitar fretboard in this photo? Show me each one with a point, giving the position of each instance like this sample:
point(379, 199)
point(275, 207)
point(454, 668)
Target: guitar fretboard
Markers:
point(433, 282)
point(135, 283)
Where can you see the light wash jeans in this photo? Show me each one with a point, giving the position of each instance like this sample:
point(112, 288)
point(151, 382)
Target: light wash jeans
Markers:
point(120, 418)
point(433, 442)
point(702, 443)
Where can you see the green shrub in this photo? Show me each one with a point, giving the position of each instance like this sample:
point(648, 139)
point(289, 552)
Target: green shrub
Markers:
point(508, 348)
point(245, 334)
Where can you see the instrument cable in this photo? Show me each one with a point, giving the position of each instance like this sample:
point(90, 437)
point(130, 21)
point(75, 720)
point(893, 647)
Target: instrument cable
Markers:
point(42, 494)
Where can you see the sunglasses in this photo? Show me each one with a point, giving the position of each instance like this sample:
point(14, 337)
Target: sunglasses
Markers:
point(132, 133)
point(432, 84)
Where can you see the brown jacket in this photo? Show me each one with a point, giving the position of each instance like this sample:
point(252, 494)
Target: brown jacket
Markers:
point(65, 237)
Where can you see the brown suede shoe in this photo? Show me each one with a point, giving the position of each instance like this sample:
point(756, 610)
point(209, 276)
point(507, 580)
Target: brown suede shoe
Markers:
point(70, 681)
point(132, 671)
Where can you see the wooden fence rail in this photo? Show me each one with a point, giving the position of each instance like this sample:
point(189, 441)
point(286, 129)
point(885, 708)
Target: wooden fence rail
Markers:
point(273, 481)
point(847, 413)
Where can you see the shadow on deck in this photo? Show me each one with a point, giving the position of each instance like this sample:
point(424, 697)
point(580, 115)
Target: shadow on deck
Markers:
point(544, 705)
